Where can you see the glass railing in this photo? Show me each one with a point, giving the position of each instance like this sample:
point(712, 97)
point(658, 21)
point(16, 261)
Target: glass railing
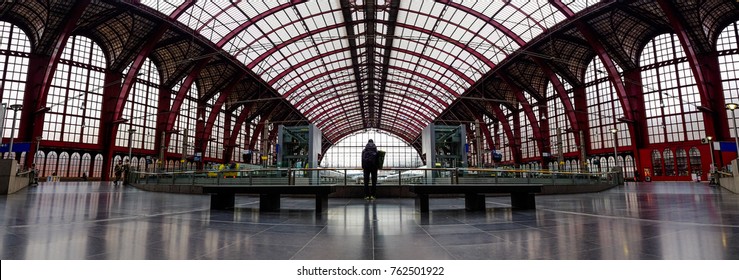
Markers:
point(386, 177)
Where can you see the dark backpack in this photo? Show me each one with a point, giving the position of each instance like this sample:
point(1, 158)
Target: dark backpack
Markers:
point(369, 158)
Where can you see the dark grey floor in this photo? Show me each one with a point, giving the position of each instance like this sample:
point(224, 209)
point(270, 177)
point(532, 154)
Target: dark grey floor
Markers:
point(94, 220)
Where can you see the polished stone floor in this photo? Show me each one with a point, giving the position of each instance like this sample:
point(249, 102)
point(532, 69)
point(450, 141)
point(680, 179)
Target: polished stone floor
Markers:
point(93, 220)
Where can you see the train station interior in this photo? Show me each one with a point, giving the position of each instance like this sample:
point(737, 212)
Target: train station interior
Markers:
point(622, 111)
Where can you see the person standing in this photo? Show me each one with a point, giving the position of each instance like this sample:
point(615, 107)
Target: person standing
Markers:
point(126, 170)
point(34, 174)
point(117, 170)
point(369, 167)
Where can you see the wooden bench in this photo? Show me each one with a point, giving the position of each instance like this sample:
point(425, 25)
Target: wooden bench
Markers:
point(223, 197)
point(522, 195)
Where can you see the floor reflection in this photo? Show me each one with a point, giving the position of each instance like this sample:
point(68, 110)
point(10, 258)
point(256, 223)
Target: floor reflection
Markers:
point(92, 220)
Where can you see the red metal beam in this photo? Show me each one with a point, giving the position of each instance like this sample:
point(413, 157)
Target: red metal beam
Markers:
point(443, 37)
point(181, 9)
point(235, 128)
point(562, 94)
point(236, 31)
point(174, 112)
point(326, 90)
point(508, 131)
point(217, 107)
point(46, 68)
point(358, 116)
point(708, 92)
point(416, 102)
point(398, 132)
point(489, 20)
point(527, 110)
point(613, 74)
point(334, 115)
point(420, 55)
point(337, 70)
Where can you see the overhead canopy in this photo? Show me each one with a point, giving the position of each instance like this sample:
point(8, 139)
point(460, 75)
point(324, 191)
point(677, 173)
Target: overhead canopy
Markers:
point(348, 65)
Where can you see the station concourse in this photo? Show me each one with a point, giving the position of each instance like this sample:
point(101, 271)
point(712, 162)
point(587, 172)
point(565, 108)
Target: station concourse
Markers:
point(636, 95)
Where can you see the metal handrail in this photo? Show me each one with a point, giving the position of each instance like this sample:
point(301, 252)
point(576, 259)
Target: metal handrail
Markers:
point(454, 175)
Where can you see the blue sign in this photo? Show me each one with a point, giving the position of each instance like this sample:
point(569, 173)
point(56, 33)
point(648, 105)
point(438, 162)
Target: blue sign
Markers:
point(721, 146)
point(17, 147)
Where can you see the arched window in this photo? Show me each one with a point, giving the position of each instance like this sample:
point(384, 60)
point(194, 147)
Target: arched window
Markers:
point(611, 164)
point(215, 146)
point(727, 47)
point(670, 93)
point(604, 164)
point(241, 136)
point(506, 145)
point(134, 162)
point(141, 110)
point(682, 162)
point(529, 147)
point(669, 162)
point(657, 162)
point(629, 167)
point(98, 167)
point(604, 108)
point(50, 166)
point(593, 165)
point(347, 152)
point(115, 161)
point(142, 165)
point(62, 169)
point(568, 165)
point(256, 146)
point(85, 165)
point(74, 165)
point(186, 120)
point(76, 94)
point(695, 161)
point(559, 124)
point(41, 163)
point(14, 51)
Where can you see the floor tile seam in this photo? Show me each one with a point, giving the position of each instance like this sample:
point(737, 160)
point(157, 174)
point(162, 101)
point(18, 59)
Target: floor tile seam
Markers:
point(201, 255)
point(638, 252)
point(636, 219)
point(479, 229)
point(230, 244)
point(624, 218)
point(271, 225)
point(129, 217)
point(373, 244)
point(509, 243)
point(306, 243)
point(438, 243)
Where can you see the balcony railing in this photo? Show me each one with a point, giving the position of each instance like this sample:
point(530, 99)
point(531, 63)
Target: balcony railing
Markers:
point(386, 177)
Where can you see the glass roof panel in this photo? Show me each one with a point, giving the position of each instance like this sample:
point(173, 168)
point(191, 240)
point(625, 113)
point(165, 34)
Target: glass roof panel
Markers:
point(579, 5)
point(164, 7)
point(439, 48)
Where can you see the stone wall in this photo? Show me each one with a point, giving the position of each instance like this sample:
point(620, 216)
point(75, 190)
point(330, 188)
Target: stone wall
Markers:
point(9, 181)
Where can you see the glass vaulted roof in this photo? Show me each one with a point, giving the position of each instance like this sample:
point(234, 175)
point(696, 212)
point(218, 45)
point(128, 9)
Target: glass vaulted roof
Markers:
point(354, 64)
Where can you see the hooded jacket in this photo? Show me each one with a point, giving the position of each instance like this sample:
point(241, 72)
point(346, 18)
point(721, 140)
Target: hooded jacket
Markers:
point(369, 156)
